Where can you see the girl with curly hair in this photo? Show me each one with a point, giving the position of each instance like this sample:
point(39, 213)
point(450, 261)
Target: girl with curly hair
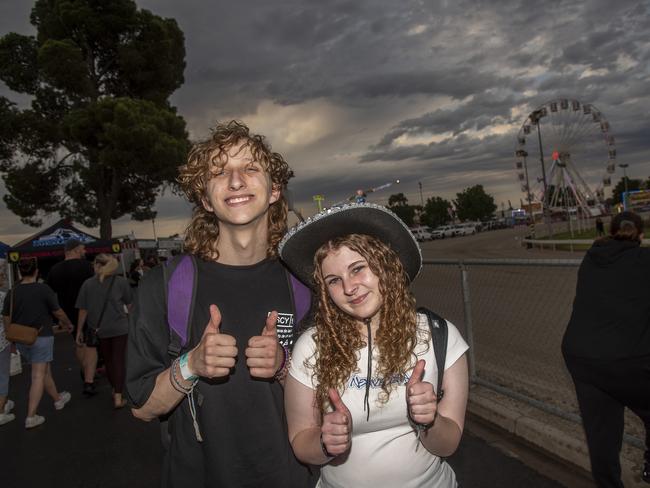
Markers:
point(359, 396)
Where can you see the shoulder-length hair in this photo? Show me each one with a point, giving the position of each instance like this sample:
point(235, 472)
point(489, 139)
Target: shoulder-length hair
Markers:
point(105, 265)
point(212, 154)
point(337, 335)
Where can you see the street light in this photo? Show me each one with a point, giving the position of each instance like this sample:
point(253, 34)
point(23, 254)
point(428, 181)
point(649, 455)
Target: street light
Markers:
point(535, 119)
point(523, 154)
point(624, 166)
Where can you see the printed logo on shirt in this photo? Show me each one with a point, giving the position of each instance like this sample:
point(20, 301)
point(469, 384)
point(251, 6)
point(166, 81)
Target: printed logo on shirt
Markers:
point(284, 327)
point(358, 382)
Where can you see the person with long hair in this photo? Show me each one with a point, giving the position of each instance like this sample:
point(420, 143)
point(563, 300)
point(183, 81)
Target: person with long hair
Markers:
point(103, 304)
point(606, 345)
point(222, 393)
point(359, 397)
point(33, 304)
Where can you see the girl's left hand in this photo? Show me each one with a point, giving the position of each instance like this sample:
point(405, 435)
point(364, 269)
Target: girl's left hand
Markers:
point(420, 397)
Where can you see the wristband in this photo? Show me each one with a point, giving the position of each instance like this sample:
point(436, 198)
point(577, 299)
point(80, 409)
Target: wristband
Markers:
point(185, 369)
point(176, 383)
point(324, 448)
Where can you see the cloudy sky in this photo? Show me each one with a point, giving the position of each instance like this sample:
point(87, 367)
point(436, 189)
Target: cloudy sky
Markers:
point(358, 93)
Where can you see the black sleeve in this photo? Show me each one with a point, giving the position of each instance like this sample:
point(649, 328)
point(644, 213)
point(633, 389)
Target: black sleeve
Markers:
point(89, 271)
point(50, 298)
point(6, 304)
point(148, 339)
point(51, 279)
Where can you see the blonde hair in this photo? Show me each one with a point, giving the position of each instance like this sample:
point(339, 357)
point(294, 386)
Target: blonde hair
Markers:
point(106, 266)
point(337, 336)
point(211, 154)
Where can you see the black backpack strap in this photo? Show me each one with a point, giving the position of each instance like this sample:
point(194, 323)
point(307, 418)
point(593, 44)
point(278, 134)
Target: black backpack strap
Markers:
point(438, 327)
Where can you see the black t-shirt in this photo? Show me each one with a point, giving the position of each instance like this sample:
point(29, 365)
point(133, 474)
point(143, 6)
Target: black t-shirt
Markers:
point(242, 420)
point(33, 305)
point(66, 278)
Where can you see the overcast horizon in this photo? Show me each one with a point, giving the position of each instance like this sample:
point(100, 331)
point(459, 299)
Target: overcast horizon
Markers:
point(356, 94)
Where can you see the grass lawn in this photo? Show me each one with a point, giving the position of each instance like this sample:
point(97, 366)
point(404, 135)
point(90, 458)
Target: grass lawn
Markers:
point(588, 233)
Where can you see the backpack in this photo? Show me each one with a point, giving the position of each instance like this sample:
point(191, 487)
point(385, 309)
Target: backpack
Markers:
point(438, 327)
point(180, 279)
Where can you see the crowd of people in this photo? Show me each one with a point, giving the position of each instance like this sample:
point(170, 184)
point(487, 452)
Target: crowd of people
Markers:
point(298, 357)
point(91, 301)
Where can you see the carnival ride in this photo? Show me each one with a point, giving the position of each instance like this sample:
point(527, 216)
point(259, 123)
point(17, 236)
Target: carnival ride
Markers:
point(577, 137)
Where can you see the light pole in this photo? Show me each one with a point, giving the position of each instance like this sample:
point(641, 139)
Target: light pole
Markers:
point(319, 199)
point(523, 154)
point(535, 119)
point(153, 224)
point(624, 166)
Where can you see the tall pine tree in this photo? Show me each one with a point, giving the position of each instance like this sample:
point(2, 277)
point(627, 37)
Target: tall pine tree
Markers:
point(100, 139)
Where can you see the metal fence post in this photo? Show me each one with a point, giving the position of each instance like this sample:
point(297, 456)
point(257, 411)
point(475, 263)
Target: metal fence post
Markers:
point(467, 308)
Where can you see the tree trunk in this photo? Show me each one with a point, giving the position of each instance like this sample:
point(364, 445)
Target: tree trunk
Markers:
point(107, 204)
point(105, 226)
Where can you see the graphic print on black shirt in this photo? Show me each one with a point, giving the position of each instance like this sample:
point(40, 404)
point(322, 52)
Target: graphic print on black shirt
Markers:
point(241, 418)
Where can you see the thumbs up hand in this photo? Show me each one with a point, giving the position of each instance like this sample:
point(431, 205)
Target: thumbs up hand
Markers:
point(216, 352)
point(336, 429)
point(420, 397)
point(264, 354)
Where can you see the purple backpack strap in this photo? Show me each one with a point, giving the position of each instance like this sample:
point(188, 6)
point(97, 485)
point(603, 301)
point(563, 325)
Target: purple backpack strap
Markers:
point(180, 296)
point(301, 297)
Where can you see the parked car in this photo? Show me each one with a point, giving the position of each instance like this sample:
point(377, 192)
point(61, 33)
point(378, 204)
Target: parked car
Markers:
point(443, 231)
point(468, 228)
point(421, 233)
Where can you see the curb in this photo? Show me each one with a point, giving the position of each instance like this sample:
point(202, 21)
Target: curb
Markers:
point(551, 435)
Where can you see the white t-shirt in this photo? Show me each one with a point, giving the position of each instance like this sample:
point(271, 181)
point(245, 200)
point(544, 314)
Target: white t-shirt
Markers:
point(383, 452)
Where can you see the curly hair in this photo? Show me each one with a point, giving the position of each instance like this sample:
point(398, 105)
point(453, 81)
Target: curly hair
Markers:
point(210, 155)
point(337, 336)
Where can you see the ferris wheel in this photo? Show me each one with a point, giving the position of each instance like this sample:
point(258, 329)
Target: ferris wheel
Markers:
point(561, 145)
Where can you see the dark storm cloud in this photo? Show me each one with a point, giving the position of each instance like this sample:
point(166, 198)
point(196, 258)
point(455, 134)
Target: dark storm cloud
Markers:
point(466, 72)
point(595, 52)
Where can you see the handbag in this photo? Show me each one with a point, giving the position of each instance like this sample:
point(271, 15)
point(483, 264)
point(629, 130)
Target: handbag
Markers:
point(92, 333)
point(91, 337)
point(22, 334)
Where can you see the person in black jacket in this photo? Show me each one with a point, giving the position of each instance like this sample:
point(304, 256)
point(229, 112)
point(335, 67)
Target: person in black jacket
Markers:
point(606, 346)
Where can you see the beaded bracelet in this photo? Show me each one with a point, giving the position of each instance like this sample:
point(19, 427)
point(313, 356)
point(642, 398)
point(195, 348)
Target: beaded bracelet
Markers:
point(178, 386)
point(281, 373)
point(188, 391)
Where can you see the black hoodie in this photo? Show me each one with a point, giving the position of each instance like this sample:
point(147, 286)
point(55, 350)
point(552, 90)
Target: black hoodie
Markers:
point(611, 310)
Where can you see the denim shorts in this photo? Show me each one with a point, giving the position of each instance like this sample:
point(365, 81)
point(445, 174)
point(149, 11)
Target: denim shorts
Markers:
point(5, 361)
point(42, 351)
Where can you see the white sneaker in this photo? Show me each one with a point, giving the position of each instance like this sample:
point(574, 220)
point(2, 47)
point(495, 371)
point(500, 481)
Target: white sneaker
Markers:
point(5, 418)
point(9, 406)
point(34, 421)
point(64, 397)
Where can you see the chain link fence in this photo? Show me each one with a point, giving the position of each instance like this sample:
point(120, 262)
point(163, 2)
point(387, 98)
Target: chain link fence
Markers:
point(513, 313)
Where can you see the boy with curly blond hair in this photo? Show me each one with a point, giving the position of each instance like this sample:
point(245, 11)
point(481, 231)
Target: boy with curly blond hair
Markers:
point(223, 395)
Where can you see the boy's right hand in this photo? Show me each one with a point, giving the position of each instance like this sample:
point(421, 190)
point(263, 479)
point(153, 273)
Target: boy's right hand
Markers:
point(216, 353)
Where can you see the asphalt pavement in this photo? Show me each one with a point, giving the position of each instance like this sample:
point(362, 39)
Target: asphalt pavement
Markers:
point(88, 444)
